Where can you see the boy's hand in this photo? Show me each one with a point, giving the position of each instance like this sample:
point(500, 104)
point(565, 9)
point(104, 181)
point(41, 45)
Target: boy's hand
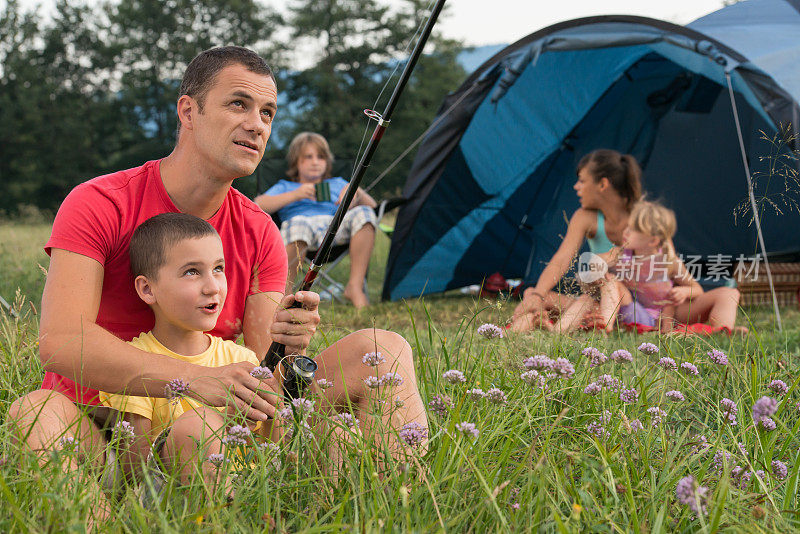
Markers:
point(306, 191)
point(233, 386)
point(293, 327)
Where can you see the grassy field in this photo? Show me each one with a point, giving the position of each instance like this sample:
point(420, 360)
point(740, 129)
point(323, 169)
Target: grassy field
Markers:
point(557, 451)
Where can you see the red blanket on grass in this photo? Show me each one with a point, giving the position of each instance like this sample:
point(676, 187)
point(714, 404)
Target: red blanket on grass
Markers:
point(700, 329)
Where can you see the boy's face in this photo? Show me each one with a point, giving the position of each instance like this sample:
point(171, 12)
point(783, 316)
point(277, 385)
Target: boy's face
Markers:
point(311, 164)
point(190, 289)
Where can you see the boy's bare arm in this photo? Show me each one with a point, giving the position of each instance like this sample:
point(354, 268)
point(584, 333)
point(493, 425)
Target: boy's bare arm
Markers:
point(73, 345)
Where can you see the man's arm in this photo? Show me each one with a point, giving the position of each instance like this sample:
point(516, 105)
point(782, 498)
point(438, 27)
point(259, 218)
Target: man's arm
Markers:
point(73, 345)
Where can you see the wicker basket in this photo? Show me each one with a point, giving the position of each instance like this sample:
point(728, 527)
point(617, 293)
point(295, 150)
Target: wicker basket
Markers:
point(755, 287)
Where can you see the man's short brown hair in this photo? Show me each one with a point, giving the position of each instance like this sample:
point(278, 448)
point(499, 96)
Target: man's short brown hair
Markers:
point(202, 71)
point(296, 148)
point(150, 241)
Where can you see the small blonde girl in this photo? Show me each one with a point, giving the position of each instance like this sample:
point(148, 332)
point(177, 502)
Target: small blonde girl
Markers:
point(647, 272)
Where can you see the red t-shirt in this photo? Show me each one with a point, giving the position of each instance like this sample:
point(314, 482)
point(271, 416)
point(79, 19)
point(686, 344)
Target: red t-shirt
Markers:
point(97, 220)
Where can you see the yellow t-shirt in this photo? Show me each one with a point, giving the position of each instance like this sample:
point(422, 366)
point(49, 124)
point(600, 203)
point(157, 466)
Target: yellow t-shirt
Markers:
point(160, 411)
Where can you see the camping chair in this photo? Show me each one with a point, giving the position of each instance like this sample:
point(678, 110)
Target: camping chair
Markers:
point(328, 287)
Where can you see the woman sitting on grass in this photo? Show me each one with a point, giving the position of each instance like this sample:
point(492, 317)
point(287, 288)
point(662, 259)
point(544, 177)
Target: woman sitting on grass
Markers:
point(643, 275)
point(608, 186)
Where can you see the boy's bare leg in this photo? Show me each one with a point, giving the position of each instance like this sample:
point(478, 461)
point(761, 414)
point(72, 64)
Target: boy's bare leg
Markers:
point(194, 436)
point(342, 364)
point(361, 245)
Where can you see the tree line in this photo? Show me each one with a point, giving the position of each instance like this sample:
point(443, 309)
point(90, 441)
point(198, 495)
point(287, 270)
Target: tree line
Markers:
point(87, 90)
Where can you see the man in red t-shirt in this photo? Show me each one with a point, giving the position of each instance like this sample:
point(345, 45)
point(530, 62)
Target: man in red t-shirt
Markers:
point(225, 111)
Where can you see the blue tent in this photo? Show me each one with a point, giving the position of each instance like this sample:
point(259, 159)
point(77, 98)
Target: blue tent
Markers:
point(491, 186)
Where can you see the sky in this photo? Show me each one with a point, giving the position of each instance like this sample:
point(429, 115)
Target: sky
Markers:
point(481, 22)
point(509, 20)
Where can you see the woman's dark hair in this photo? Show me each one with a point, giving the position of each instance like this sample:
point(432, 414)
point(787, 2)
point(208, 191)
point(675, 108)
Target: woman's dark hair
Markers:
point(622, 171)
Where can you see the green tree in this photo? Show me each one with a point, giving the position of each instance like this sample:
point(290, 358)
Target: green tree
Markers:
point(151, 41)
point(359, 44)
point(55, 116)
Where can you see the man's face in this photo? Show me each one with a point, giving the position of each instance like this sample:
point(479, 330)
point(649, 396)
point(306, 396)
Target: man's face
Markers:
point(311, 164)
point(191, 286)
point(232, 130)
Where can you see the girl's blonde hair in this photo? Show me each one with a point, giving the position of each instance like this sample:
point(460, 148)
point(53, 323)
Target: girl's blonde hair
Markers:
point(655, 220)
point(296, 148)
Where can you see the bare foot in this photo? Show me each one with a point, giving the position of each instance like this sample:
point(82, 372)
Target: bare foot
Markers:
point(741, 330)
point(520, 323)
point(356, 295)
point(530, 321)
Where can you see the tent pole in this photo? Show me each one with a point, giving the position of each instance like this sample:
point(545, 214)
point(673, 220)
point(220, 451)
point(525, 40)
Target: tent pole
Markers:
point(753, 204)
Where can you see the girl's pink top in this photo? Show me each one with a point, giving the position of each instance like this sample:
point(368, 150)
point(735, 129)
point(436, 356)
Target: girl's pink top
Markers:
point(647, 278)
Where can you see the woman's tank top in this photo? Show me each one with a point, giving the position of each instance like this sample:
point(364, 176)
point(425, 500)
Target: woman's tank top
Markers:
point(600, 243)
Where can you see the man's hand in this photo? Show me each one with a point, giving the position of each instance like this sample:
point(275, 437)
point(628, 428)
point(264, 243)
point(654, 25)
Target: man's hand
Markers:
point(293, 327)
point(233, 386)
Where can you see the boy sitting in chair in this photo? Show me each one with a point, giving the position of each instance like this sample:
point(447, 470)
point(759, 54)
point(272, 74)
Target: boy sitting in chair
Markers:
point(306, 205)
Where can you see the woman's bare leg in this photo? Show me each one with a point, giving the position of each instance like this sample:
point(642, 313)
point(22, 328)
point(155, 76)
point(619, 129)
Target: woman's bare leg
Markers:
point(613, 295)
point(717, 307)
point(533, 311)
point(572, 316)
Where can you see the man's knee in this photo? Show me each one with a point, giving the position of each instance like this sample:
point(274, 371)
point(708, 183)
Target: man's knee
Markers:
point(388, 342)
point(43, 417)
point(39, 404)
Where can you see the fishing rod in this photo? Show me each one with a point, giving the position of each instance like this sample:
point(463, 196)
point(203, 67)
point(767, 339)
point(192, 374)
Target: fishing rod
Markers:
point(298, 371)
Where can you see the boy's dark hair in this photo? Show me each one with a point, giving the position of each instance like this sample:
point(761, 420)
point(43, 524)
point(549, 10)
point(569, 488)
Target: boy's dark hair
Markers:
point(202, 71)
point(154, 236)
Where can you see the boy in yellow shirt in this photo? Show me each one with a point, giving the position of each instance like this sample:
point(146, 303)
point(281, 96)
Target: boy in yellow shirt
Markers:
point(179, 271)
